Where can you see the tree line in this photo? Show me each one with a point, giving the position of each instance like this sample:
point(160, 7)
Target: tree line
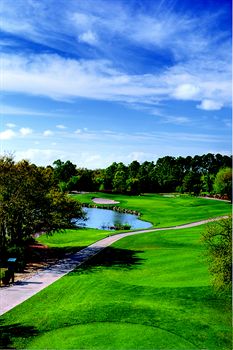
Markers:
point(208, 173)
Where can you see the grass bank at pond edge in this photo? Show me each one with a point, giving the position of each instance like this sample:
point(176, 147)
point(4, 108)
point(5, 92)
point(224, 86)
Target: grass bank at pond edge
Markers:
point(163, 211)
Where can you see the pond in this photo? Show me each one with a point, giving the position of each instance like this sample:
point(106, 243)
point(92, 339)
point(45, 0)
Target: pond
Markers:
point(106, 219)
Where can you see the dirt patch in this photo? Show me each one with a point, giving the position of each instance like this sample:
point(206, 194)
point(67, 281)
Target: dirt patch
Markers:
point(104, 201)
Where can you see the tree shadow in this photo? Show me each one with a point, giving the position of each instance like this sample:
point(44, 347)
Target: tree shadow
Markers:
point(111, 257)
point(40, 253)
point(43, 257)
point(9, 332)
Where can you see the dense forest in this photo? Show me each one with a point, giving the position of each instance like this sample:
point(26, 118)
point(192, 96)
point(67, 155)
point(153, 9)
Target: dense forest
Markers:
point(196, 175)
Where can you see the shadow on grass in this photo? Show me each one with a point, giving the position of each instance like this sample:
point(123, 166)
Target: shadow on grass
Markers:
point(9, 332)
point(111, 257)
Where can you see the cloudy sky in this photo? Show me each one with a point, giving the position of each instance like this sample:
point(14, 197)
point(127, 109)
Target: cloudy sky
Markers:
point(97, 81)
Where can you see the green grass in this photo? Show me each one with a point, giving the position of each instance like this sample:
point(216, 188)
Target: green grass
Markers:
point(164, 211)
point(161, 211)
point(148, 291)
point(74, 239)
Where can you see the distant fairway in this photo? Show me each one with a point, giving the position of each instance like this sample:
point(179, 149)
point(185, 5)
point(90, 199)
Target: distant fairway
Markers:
point(163, 210)
point(149, 291)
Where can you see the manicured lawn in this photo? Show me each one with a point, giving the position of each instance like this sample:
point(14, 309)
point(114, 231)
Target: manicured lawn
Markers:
point(148, 291)
point(164, 211)
point(73, 239)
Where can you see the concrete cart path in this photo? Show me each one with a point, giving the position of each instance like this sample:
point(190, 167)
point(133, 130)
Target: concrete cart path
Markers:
point(23, 290)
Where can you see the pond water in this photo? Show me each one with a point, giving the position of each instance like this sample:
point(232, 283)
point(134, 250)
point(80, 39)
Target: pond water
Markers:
point(104, 219)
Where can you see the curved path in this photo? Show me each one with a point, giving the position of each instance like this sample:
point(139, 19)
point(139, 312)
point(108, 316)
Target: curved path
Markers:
point(23, 290)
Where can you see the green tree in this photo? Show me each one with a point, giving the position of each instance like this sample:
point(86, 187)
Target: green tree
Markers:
point(84, 180)
point(133, 169)
point(207, 181)
point(223, 182)
point(168, 173)
point(192, 183)
point(145, 182)
point(63, 171)
point(133, 185)
point(109, 174)
point(29, 203)
point(218, 241)
point(119, 181)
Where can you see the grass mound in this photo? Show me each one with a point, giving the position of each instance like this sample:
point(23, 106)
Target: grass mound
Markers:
point(115, 335)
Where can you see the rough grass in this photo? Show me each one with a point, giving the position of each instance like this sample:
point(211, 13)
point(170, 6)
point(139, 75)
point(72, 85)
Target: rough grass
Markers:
point(164, 211)
point(149, 291)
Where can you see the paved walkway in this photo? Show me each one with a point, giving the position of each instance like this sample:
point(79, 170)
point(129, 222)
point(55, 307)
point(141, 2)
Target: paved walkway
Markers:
point(23, 290)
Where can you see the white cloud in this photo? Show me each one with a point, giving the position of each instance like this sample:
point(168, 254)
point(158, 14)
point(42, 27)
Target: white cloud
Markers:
point(61, 126)
point(166, 118)
point(112, 146)
point(25, 131)
point(177, 120)
point(61, 78)
point(210, 105)
point(186, 92)
point(48, 133)
point(88, 37)
point(82, 20)
point(11, 125)
point(47, 156)
point(78, 131)
point(7, 134)
point(10, 110)
point(39, 156)
point(139, 156)
point(201, 68)
point(228, 123)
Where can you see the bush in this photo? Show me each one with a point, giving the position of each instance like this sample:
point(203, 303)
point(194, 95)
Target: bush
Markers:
point(218, 241)
point(223, 182)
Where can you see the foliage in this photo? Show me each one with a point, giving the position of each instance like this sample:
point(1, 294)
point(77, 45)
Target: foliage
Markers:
point(207, 181)
point(63, 171)
point(190, 174)
point(29, 202)
point(119, 181)
point(192, 183)
point(223, 182)
point(218, 241)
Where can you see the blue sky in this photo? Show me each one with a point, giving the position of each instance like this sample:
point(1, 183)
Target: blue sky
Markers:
point(99, 81)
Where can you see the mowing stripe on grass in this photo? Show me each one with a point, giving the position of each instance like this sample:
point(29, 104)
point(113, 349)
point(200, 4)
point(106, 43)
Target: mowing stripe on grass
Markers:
point(23, 290)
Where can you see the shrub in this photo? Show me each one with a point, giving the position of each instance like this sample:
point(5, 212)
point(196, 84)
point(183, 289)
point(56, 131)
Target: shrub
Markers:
point(218, 241)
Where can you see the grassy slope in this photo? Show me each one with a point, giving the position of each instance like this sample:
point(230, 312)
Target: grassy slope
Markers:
point(149, 291)
point(73, 239)
point(164, 211)
point(161, 211)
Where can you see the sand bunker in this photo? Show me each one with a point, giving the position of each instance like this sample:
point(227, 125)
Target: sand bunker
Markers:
point(104, 201)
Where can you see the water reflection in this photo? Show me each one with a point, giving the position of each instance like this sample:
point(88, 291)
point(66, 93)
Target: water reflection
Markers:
point(107, 219)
